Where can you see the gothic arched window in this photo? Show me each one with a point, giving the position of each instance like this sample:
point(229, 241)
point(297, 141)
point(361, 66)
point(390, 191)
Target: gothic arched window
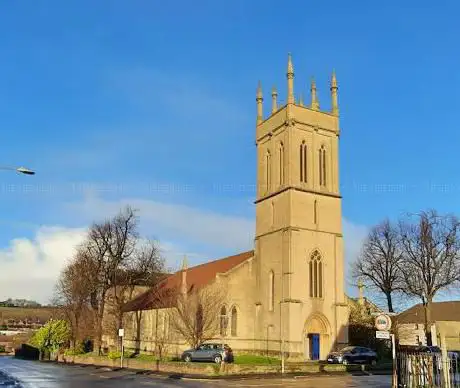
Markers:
point(303, 162)
point(315, 212)
point(322, 166)
point(271, 291)
point(223, 321)
point(316, 275)
point(234, 321)
point(281, 163)
point(268, 171)
point(273, 213)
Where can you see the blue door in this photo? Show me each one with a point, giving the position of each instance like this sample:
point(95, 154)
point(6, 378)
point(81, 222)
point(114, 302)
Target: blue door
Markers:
point(314, 346)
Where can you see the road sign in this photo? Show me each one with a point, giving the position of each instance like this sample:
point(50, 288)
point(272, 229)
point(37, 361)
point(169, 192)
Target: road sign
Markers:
point(382, 334)
point(383, 322)
point(121, 332)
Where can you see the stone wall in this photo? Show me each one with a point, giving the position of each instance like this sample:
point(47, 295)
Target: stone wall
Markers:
point(208, 369)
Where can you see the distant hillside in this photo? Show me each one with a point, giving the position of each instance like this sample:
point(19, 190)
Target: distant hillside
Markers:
point(19, 303)
point(24, 317)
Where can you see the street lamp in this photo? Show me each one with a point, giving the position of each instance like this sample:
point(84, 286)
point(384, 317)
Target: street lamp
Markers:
point(269, 326)
point(21, 170)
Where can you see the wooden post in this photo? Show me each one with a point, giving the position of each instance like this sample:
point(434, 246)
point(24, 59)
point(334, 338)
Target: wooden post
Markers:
point(393, 351)
point(121, 358)
point(445, 362)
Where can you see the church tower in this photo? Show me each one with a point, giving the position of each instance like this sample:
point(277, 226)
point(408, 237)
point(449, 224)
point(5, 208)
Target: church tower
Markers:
point(298, 245)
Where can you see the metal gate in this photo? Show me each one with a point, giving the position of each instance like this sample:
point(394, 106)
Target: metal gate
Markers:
point(427, 369)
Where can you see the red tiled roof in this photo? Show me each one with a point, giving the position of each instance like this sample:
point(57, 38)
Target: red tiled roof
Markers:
point(197, 277)
point(440, 311)
point(6, 338)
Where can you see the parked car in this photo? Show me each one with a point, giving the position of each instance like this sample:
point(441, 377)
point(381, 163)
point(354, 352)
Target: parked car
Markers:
point(353, 355)
point(214, 352)
point(429, 349)
point(416, 349)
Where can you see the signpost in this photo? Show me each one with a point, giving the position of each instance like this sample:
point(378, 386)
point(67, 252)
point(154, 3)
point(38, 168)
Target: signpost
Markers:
point(382, 334)
point(383, 322)
point(121, 333)
point(383, 326)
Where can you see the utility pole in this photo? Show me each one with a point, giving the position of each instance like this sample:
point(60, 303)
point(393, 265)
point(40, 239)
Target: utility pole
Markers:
point(282, 299)
point(383, 325)
point(282, 333)
point(121, 333)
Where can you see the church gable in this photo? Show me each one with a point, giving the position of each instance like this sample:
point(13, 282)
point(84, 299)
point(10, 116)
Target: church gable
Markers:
point(196, 278)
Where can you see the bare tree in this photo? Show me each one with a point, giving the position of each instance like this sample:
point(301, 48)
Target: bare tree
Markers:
point(72, 295)
point(430, 257)
point(105, 272)
point(196, 314)
point(144, 267)
point(378, 264)
point(107, 246)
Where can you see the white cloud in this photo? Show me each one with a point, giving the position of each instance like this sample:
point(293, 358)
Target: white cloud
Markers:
point(354, 236)
point(210, 229)
point(177, 221)
point(29, 267)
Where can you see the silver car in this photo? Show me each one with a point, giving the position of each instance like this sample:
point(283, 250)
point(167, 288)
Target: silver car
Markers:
point(209, 352)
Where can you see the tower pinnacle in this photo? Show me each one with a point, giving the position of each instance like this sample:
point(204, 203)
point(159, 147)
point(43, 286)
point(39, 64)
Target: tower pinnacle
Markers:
point(184, 276)
point(290, 79)
point(184, 263)
point(361, 293)
point(259, 100)
point(301, 100)
point(274, 100)
point(314, 97)
point(334, 88)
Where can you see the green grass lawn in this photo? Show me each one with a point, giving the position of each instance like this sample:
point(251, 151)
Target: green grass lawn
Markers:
point(151, 357)
point(250, 359)
point(241, 359)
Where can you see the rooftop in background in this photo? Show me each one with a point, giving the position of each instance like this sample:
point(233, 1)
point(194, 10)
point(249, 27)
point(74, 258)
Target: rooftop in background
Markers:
point(440, 311)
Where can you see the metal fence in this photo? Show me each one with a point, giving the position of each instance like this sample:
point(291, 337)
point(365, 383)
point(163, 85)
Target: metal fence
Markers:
point(421, 369)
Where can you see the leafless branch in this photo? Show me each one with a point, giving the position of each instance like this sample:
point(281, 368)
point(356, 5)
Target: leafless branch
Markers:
point(378, 264)
point(430, 256)
point(196, 315)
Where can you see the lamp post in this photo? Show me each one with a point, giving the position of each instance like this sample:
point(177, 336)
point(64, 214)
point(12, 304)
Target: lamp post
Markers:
point(282, 335)
point(21, 170)
point(268, 328)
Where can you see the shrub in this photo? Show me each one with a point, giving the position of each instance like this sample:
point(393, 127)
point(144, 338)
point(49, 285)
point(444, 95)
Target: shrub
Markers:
point(74, 351)
point(113, 355)
point(2, 349)
point(52, 336)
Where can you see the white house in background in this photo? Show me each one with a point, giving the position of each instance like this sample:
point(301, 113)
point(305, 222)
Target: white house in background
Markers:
point(446, 325)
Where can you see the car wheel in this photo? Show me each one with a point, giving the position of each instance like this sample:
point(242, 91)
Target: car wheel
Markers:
point(373, 362)
point(217, 359)
point(188, 358)
point(345, 361)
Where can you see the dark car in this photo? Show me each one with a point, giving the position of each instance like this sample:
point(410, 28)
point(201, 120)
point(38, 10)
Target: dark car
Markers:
point(417, 349)
point(430, 349)
point(353, 355)
point(209, 352)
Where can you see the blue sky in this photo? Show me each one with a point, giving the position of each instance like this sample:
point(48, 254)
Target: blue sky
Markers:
point(116, 102)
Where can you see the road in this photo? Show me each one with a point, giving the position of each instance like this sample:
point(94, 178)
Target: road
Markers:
point(32, 374)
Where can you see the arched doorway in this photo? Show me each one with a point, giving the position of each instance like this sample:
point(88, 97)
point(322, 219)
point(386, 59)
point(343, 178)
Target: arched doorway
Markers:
point(316, 337)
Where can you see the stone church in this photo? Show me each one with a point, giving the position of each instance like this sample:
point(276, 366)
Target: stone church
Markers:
point(288, 292)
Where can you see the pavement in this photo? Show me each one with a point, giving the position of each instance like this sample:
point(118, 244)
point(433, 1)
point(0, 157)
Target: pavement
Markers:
point(33, 374)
